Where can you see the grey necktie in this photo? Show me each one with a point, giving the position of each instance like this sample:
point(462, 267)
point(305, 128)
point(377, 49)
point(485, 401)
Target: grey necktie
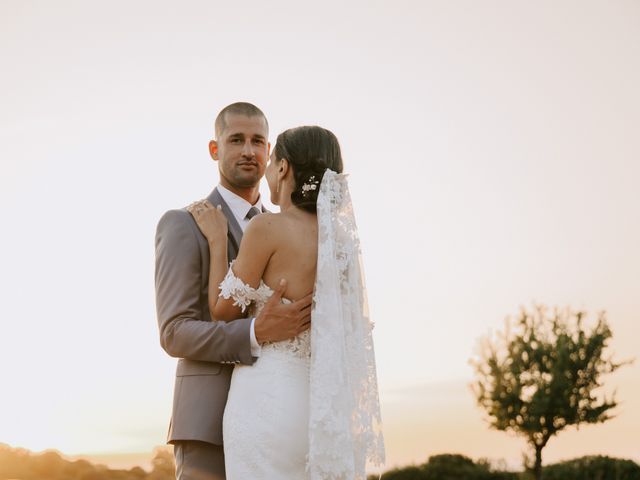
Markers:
point(252, 213)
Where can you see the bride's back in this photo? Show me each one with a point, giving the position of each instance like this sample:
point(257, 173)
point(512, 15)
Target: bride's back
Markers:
point(298, 162)
point(295, 234)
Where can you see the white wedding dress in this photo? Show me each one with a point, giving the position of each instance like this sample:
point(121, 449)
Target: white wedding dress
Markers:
point(265, 424)
point(308, 407)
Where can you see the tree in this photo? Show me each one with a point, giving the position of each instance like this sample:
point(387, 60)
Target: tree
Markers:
point(541, 377)
point(48, 464)
point(163, 465)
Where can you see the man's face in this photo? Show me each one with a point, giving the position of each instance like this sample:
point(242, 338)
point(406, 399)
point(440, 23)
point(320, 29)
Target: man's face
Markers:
point(241, 151)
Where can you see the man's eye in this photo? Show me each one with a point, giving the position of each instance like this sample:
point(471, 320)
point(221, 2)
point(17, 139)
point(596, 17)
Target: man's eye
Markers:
point(235, 140)
point(259, 142)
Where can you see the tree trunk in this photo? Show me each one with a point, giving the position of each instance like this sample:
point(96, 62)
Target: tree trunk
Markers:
point(537, 467)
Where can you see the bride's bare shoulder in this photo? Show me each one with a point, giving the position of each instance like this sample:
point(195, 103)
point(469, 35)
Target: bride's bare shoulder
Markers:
point(265, 225)
point(280, 227)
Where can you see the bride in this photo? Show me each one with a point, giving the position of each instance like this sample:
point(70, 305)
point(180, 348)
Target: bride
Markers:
point(308, 407)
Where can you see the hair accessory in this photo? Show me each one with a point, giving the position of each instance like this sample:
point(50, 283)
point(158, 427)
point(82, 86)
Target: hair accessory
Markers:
point(310, 184)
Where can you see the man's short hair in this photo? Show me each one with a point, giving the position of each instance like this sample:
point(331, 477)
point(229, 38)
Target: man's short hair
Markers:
point(238, 108)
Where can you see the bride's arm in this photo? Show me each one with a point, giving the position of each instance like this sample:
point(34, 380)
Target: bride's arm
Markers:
point(213, 225)
point(257, 246)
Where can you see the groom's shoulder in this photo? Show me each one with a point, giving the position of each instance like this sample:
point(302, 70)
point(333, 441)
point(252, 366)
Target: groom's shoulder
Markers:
point(175, 219)
point(175, 215)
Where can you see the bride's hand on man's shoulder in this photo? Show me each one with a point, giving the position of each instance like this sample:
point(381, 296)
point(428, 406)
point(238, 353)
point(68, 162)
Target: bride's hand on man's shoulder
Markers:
point(210, 220)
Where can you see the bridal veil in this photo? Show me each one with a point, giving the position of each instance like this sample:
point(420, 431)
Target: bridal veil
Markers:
point(345, 431)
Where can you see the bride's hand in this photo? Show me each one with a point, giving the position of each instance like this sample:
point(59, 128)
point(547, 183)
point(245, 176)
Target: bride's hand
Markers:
point(210, 220)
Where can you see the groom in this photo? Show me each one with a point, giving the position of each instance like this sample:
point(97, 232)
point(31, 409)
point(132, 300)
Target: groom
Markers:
point(207, 349)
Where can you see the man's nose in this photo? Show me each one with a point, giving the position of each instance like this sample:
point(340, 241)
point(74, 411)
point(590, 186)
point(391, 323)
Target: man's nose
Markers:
point(247, 150)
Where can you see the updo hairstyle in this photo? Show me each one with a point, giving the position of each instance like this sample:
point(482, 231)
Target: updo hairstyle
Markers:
point(310, 150)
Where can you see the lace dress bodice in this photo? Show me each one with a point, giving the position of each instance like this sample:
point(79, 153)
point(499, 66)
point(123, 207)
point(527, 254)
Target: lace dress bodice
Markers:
point(252, 300)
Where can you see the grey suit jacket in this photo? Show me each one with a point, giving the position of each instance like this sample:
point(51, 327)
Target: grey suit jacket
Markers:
point(206, 349)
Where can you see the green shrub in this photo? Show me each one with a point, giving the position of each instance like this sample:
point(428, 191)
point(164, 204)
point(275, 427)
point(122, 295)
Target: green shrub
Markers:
point(454, 467)
point(448, 467)
point(596, 467)
point(406, 473)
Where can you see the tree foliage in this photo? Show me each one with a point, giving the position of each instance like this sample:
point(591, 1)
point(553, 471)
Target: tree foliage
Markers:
point(18, 463)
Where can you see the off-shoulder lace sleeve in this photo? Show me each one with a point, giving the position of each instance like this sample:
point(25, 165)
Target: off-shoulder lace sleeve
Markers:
point(233, 287)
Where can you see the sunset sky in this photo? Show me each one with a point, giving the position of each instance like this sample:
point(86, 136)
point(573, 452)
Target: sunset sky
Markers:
point(494, 161)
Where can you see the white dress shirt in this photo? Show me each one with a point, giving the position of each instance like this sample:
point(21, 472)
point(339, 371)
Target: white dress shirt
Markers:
point(240, 207)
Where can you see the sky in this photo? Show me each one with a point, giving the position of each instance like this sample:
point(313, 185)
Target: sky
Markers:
point(494, 162)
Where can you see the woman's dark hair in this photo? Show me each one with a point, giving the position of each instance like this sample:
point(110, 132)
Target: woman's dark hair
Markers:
point(310, 151)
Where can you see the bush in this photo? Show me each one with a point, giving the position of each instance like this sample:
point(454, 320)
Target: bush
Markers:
point(448, 467)
point(406, 473)
point(593, 468)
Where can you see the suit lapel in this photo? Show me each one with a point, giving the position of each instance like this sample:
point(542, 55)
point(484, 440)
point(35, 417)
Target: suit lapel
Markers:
point(235, 232)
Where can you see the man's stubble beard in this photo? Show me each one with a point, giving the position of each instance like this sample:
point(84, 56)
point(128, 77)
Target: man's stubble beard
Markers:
point(241, 181)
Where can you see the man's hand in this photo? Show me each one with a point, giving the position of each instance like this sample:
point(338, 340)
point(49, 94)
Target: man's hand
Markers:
point(278, 321)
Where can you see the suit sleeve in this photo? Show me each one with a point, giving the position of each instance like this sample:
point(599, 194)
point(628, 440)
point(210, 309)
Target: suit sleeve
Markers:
point(178, 276)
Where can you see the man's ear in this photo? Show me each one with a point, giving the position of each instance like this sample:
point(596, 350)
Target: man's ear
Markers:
point(213, 149)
